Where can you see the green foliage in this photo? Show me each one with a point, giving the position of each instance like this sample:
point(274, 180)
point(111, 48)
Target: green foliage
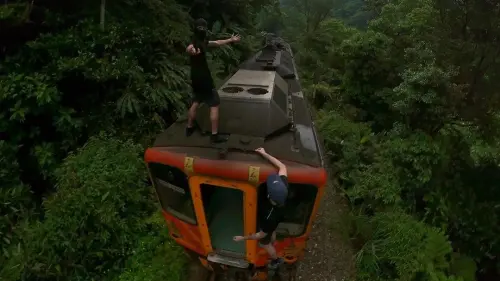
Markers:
point(16, 206)
point(353, 12)
point(72, 79)
point(410, 121)
point(65, 77)
point(156, 258)
point(94, 218)
point(401, 248)
point(463, 266)
point(345, 140)
point(270, 18)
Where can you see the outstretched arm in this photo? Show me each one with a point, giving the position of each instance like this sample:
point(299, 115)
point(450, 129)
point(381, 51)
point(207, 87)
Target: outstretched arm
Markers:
point(256, 236)
point(277, 163)
point(217, 43)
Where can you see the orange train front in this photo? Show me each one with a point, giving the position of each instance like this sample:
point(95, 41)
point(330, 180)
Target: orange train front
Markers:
point(210, 193)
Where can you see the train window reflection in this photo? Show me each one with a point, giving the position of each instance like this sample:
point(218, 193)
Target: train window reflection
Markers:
point(173, 191)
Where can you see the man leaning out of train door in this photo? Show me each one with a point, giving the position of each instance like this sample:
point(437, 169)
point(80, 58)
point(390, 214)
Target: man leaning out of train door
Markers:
point(277, 192)
point(201, 79)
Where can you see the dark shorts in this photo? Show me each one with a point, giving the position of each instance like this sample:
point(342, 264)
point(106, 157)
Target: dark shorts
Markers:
point(209, 97)
point(266, 240)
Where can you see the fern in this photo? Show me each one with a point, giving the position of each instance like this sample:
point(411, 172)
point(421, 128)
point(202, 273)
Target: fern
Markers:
point(401, 247)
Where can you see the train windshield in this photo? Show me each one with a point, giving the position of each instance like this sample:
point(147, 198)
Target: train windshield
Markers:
point(298, 209)
point(173, 191)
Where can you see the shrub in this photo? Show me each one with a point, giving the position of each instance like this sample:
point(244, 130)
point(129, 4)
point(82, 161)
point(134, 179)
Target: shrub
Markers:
point(156, 258)
point(95, 217)
point(16, 205)
point(399, 247)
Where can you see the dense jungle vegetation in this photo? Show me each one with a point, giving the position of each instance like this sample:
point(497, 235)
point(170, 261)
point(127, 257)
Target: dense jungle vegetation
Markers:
point(405, 96)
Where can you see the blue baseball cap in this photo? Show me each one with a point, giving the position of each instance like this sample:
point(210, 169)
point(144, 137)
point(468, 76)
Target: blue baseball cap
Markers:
point(277, 189)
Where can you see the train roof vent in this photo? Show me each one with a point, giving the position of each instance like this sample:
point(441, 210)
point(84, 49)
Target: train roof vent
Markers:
point(253, 103)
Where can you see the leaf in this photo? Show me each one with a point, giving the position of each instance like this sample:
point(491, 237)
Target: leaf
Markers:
point(38, 266)
point(364, 139)
point(105, 196)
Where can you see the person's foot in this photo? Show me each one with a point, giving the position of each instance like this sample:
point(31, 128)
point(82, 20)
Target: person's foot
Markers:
point(216, 138)
point(274, 264)
point(189, 131)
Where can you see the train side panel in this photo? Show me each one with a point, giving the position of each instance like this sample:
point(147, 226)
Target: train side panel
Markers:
point(184, 234)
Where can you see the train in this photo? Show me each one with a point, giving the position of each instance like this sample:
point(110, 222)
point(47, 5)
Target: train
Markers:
point(209, 193)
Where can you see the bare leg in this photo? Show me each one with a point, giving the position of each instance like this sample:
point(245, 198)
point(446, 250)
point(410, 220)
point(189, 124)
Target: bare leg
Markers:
point(270, 247)
point(192, 114)
point(214, 119)
point(191, 118)
point(270, 250)
point(276, 261)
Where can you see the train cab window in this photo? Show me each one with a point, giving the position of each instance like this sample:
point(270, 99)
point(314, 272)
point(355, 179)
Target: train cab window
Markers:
point(172, 187)
point(297, 211)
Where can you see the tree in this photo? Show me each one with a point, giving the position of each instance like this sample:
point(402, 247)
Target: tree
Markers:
point(312, 12)
point(69, 71)
point(93, 220)
point(410, 121)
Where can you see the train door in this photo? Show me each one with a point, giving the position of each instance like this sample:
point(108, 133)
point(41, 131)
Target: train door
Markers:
point(226, 209)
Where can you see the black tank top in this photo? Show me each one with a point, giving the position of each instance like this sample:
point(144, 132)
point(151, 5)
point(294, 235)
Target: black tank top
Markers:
point(200, 72)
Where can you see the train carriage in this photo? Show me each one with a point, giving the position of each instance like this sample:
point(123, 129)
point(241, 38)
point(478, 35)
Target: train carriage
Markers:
point(210, 193)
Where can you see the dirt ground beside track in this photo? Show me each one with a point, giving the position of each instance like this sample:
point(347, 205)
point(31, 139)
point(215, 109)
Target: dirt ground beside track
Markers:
point(328, 256)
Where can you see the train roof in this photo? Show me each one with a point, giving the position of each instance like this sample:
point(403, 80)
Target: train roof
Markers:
point(262, 105)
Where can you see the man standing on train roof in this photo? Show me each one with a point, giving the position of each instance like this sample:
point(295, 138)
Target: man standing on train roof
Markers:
point(201, 79)
point(277, 192)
